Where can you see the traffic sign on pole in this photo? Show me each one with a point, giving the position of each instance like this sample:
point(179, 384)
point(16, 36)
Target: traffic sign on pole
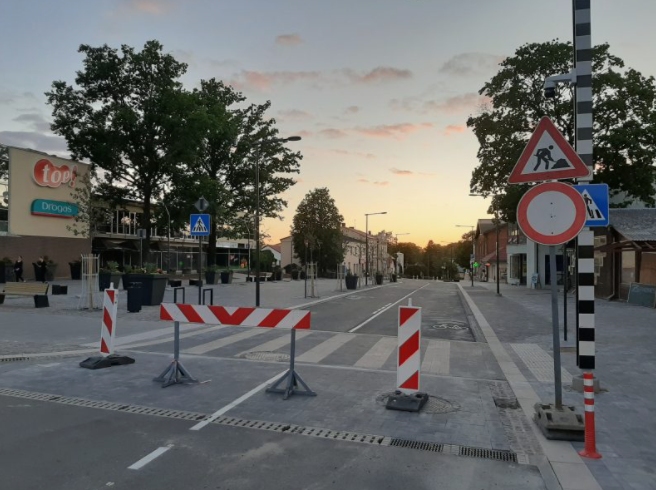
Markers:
point(547, 156)
point(199, 224)
point(551, 213)
point(596, 201)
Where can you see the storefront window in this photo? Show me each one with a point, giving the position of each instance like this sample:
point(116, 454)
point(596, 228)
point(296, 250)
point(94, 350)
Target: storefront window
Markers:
point(628, 266)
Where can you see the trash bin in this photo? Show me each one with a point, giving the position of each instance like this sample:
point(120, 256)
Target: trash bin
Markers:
point(134, 297)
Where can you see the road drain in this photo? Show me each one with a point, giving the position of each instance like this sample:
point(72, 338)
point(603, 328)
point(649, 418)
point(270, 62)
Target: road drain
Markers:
point(323, 433)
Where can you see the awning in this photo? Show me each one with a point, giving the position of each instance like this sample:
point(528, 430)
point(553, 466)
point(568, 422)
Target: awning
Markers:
point(114, 244)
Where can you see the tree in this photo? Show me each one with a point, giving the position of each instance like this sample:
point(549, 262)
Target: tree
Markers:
point(317, 227)
point(224, 172)
point(131, 118)
point(4, 163)
point(624, 122)
point(92, 210)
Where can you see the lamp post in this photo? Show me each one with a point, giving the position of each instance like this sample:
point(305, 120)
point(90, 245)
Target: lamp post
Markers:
point(471, 261)
point(366, 245)
point(257, 210)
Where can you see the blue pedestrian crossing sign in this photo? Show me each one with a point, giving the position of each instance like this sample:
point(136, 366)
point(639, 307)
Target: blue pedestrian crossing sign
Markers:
point(595, 197)
point(200, 224)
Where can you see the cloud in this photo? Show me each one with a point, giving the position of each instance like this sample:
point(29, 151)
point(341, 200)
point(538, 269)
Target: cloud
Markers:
point(304, 134)
point(264, 81)
point(368, 156)
point(34, 121)
point(393, 130)
point(352, 109)
point(383, 183)
point(380, 74)
point(380, 183)
point(332, 133)
point(288, 40)
point(455, 129)
point(152, 7)
point(295, 114)
point(363, 181)
point(466, 64)
point(457, 104)
point(35, 141)
point(11, 97)
point(398, 171)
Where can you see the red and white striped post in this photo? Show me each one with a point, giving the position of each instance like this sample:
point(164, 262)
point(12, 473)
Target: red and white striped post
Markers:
point(409, 354)
point(590, 449)
point(110, 308)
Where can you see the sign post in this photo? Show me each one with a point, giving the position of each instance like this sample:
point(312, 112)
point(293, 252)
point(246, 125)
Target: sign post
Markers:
point(199, 225)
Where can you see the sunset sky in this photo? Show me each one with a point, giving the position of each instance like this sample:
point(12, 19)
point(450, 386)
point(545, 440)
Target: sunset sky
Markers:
point(380, 90)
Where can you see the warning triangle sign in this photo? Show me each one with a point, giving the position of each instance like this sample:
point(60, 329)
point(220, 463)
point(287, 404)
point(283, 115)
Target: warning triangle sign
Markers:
point(199, 227)
point(547, 156)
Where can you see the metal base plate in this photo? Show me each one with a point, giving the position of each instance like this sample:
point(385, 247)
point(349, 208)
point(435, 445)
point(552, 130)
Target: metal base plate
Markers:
point(175, 374)
point(560, 424)
point(406, 403)
point(100, 362)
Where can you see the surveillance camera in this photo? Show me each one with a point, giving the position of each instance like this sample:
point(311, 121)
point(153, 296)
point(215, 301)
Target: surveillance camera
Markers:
point(549, 89)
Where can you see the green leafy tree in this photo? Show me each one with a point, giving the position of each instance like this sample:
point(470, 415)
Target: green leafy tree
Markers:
point(317, 227)
point(624, 122)
point(4, 163)
point(224, 172)
point(129, 115)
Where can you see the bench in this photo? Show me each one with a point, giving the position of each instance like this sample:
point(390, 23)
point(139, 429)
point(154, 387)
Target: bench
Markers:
point(266, 276)
point(36, 289)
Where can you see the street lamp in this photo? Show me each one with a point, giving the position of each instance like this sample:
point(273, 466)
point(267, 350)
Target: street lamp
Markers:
point(471, 262)
point(496, 226)
point(257, 210)
point(366, 246)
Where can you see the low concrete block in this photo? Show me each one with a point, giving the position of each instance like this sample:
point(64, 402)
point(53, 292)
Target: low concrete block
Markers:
point(563, 424)
point(577, 384)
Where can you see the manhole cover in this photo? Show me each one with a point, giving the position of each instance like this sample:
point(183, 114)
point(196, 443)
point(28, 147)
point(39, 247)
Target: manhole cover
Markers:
point(450, 326)
point(266, 356)
point(433, 405)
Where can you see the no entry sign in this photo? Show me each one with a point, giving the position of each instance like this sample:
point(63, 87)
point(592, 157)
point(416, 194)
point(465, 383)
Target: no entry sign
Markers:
point(552, 213)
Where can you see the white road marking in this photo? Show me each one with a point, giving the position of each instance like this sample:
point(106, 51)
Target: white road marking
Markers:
point(437, 357)
point(324, 349)
point(170, 339)
point(358, 327)
point(150, 457)
point(276, 344)
point(217, 344)
point(378, 354)
point(233, 404)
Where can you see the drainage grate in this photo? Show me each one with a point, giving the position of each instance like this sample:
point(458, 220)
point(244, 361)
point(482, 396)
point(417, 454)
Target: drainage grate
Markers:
point(423, 446)
point(14, 359)
point(266, 356)
point(477, 452)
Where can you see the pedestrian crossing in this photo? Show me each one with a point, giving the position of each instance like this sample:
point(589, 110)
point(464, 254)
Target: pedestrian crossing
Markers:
point(365, 351)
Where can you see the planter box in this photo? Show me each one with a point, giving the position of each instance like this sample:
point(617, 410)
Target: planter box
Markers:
point(351, 282)
point(76, 270)
point(295, 275)
point(57, 289)
point(153, 287)
point(226, 277)
point(210, 277)
point(6, 272)
point(379, 280)
point(107, 278)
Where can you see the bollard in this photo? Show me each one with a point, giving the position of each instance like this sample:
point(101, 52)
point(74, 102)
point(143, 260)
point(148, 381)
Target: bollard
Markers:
point(590, 449)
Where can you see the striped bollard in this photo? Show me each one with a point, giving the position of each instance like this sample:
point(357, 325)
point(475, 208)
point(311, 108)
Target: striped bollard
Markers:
point(107, 358)
point(407, 396)
point(110, 308)
point(590, 449)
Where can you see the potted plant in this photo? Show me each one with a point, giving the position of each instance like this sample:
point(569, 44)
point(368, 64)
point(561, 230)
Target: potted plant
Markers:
point(226, 276)
point(379, 278)
point(152, 280)
point(351, 280)
point(295, 274)
point(210, 274)
point(6, 269)
point(51, 269)
point(109, 274)
point(127, 270)
point(277, 273)
point(76, 270)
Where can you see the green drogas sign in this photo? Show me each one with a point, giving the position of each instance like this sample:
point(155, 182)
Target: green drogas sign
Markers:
point(54, 209)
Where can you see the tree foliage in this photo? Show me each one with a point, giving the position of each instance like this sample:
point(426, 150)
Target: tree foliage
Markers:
point(4, 163)
point(129, 115)
point(624, 121)
point(317, 227)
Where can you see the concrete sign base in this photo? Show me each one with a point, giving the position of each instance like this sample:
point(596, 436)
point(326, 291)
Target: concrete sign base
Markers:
point(562, 424)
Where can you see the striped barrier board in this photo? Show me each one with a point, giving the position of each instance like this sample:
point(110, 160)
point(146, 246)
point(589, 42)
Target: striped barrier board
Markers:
point(409, 361)
point(234, 315)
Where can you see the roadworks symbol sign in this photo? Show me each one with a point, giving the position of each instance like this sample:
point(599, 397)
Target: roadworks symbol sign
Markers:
point(199, 227)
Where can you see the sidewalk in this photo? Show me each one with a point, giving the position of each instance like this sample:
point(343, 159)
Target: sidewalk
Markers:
point(625, 366)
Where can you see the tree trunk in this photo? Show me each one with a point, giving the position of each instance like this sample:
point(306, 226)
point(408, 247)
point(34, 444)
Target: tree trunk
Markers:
point(146, 226)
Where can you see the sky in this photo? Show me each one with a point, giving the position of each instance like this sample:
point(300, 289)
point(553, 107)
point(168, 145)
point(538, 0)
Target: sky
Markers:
point(379, 90)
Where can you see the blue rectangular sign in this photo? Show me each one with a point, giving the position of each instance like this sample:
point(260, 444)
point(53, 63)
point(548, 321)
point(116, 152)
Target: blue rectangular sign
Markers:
point(54, 209)
point(596, 201)
point(199, 225)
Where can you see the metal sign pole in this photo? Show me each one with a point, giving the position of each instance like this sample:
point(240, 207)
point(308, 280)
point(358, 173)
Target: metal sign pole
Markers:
point(554, 324)
point(200, 268)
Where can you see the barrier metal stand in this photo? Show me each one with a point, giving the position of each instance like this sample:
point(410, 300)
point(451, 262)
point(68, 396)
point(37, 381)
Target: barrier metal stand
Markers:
point(175, 294)
point(211, 291)
point(176, 372)
point(292, 377)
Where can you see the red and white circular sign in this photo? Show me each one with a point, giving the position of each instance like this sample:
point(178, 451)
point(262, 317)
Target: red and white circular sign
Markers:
point(552, 213)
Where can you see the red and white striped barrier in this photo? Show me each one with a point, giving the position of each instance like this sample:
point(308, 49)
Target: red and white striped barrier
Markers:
point(409, 355)
point(590, 448)
point(235, 315)
point(110, 308)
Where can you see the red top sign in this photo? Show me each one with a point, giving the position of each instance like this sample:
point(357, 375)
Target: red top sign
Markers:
point(547, 156)
point(47, 174)
point(551, 213)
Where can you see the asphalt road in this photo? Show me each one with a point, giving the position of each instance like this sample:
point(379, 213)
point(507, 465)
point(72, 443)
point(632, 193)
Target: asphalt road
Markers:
point(48, 445)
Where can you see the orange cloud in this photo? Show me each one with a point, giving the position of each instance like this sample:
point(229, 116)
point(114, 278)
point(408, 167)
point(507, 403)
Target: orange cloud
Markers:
point(364, 181)
point(368, 156)
point(153, 7)
point(304, 134)
point(288, 40)
point(398, 171)
point(383, 183)
point(393, 130)
point(332, 133)
point(263, 81)
point(379, 74)
point(455, 129)
point(353, 109)
point(457, 104)
point(295, 114)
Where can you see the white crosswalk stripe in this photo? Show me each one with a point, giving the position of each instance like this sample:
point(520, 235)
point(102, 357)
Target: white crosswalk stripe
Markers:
point(437, 357)
point(324, 349)
point(275, 344)
point(217, 344)
point(540, 363)
point(377, 356)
